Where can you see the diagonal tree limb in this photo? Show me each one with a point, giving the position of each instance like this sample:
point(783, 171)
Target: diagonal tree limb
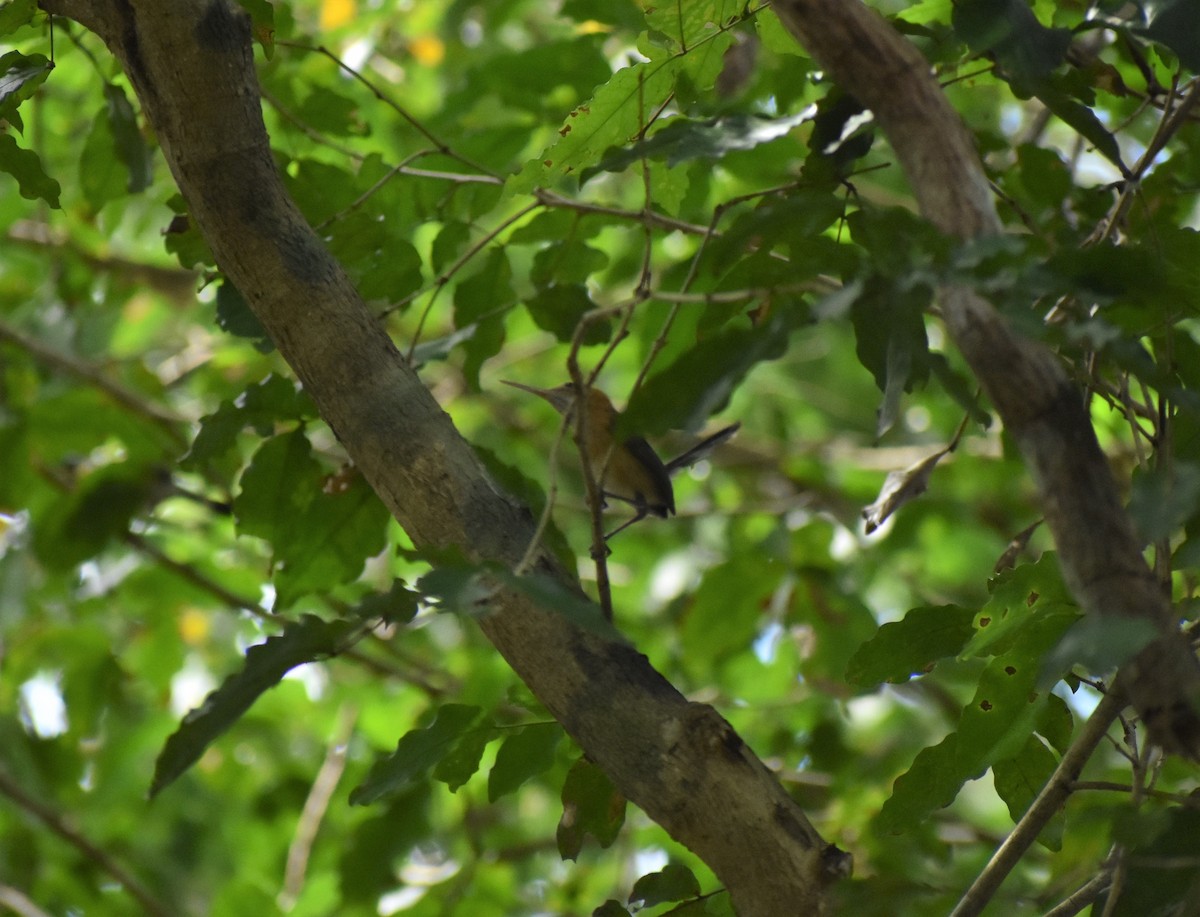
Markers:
point(1041, 408)
point(191, 63)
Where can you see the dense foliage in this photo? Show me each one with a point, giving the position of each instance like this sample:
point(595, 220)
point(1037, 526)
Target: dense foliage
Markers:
point(674, 196)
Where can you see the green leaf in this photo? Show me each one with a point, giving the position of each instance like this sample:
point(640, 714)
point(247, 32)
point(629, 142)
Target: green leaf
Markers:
point(1176, 24)
point(26, 167)
point(1018, 782)
point(1084, 120)
point(20, 74)
point(1019, 596)
point(15, 14)
point(101, 176)
point(591, 805)
point(700, 382)
point(279, 484)
point(382, 262)
point(911, 646)
point(1161, 878)
point(97, 513)
point(723, 616)
point(321, 535)
point(399, 605)
point(611, 908)
point(128, 141)
point(567, 261)
point(993, 727)
point(266, 663)
point(1008, 28)
point(889, 330)
point(461, 763)
point(613, 117)
point(686, 24)
point(1163, 499)
point(417, 752)
point(481, 302)
point(1100, 643)
point(331, 540)
point(684, 139)
point(235, 316)
point(559, 310)
point(523, 756)
point(674, 882)
point(260, 407)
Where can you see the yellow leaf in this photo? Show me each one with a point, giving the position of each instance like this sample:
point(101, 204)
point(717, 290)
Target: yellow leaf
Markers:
point(428, 50)
point(336, 13)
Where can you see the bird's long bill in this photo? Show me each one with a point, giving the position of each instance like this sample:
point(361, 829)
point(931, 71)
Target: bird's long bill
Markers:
point(561, 397)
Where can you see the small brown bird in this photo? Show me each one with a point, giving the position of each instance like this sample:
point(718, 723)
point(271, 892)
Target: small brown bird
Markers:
point(634, 473)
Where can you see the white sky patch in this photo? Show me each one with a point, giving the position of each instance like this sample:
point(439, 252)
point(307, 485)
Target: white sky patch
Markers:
point(190, 685)
point(43, 710)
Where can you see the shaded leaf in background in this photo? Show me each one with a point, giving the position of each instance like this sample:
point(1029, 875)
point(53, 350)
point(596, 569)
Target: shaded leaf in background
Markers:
point(127, 138)
point(699, 383)
point(591, 805)
point(260, 407)
point(559, 310)
point(398, 605)
point(1100, 643)
point(309, 639)
point(480, 303)
point(674, 882)
point(1009, 29)
point(1176, 24)
point(1162, 876)
point(15, 14)
point(1163, 499)
point(416, 754)
point(235, 316)
point(523, 756)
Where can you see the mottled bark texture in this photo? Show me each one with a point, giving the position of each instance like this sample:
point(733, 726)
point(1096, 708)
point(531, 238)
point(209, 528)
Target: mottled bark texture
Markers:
point(1041, 408)
point(191, 63)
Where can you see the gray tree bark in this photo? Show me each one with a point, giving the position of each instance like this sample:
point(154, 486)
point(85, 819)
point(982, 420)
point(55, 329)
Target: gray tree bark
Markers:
point(1042, 409)
point(191, 64)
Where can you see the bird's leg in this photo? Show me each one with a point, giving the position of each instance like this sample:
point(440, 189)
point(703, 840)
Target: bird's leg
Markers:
point(642, 511)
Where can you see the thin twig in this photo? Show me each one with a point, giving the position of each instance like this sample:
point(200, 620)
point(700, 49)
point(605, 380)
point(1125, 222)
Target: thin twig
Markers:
point(58, 825)
point(315, 807)
point(73, 366)
point(443, 147)
point(18, 902)
point(1086, 894)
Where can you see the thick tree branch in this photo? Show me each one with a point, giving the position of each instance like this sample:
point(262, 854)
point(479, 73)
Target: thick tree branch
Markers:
point(1099, 553)
point(191, 64)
